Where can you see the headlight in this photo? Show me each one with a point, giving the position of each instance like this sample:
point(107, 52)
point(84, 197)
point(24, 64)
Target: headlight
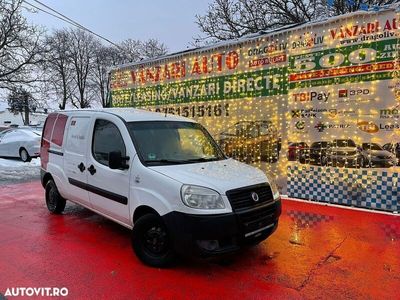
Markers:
point(201, 197)
point(274, 188)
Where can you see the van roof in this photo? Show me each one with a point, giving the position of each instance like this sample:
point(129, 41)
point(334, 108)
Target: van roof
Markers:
point(130, 114)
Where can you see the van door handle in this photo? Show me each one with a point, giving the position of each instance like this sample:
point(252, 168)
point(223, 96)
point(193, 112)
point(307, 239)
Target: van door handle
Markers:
point(92, 170)
point(81, 167)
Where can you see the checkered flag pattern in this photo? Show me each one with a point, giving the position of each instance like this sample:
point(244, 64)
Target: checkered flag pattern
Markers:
point(307, 219)
point(366, 188)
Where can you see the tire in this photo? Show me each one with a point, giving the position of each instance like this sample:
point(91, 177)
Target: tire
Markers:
point(362, 163)
point(367, 164)
point(157, 252)
point(55, 203)
point(24, 155)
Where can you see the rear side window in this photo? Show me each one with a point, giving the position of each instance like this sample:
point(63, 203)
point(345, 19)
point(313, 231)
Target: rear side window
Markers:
point(48, 126)
point(59, 128)
point(106, 138)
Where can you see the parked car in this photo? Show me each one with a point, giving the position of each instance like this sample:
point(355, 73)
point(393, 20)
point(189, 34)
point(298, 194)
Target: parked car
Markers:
point(160, 175)
point(294, 150)
point(375, 156)
point(32, 127)
point(393, 148)
point(21, 143)
point(8, 125)
point(251, 141)
point(344, 152)
point(315, 154)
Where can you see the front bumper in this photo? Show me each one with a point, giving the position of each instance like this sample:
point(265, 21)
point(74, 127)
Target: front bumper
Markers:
point(382, 162)
point(213, 235)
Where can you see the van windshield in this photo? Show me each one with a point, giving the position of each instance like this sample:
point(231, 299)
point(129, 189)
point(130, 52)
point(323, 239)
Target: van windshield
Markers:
point(173, 142)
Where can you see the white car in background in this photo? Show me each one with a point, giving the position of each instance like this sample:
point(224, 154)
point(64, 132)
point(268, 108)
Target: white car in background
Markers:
point(376, 156)
point(23, 143)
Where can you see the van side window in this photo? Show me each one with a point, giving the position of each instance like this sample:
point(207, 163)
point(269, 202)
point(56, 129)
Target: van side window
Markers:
point(106, 138)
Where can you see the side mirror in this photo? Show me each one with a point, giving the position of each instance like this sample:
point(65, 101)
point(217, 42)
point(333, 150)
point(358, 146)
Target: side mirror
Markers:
point(117, 161)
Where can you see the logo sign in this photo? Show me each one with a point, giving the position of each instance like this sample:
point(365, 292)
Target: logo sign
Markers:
point(300, 125)
point(311, 96)
point(345, 93)
point(296, 113)
point(267, 60)
point(369, 127)
point(333, 113)
point(390, 113)
point(308, 41)
point(255, 196)
point(307, 113)
point(389, 127)
point(322, 126)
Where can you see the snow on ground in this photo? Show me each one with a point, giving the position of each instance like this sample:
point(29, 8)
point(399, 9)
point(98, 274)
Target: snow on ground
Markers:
point(14, 170)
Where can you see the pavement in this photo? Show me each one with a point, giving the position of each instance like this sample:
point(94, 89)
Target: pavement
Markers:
point(318, 252)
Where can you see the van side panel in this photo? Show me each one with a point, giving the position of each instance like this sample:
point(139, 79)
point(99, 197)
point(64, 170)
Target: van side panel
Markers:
point(75, 161)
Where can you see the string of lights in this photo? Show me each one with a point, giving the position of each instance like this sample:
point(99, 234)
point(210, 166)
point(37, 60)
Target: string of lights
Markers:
point(329, 83)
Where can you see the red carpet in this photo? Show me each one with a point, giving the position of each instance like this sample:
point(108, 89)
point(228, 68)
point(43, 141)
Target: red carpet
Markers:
point(317, 252)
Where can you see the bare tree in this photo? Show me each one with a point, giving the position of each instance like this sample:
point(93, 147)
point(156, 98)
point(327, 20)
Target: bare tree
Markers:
point(152, 48)
point(83, 48)
point(340, 7)
point(77, 65)
point(58, 65)
point(105, 57)
point(228, 19)
point(135, 50)
point(129, 51)
point(20, 46)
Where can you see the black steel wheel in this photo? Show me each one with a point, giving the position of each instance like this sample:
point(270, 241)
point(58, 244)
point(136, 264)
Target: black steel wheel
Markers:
point(151, 241)
point(55, 203)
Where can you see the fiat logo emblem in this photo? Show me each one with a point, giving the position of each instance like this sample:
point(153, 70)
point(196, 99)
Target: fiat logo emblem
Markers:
point(254, 196)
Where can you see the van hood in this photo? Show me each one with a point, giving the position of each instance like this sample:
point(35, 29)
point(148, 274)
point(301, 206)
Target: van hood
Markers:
point(222, 175)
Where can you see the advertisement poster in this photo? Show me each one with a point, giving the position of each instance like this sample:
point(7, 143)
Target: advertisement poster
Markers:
point(315, 106)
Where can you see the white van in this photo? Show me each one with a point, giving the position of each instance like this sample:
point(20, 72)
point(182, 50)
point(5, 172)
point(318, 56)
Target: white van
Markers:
point(160, 175)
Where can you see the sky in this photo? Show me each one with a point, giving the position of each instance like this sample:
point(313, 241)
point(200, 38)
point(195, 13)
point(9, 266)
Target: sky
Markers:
point(170, 21)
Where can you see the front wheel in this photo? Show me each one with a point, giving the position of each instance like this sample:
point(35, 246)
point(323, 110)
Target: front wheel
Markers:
point(151, 241)
point(24, 155)
point(54, 201)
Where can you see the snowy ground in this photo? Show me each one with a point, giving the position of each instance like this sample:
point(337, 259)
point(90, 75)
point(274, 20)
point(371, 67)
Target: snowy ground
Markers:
point(15, 171)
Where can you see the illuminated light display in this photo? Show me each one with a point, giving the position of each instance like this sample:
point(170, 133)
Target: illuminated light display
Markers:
point(315, 103)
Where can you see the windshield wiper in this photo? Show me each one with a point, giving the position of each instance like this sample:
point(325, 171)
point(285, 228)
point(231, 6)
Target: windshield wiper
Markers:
point(203, 159)
point(184, 161)
point(166, 161)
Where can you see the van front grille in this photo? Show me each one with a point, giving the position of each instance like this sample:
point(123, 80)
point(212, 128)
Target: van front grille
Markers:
point(245, 198)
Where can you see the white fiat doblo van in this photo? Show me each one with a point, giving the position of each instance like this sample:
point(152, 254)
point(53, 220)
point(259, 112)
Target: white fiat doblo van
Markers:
point(160, 175)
